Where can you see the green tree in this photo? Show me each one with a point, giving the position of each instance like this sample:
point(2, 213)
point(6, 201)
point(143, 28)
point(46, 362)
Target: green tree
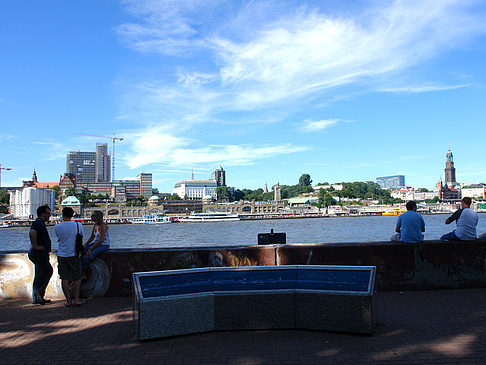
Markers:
point(4, 196)
point(325, 199)
point(173, 197)
point(223, 193)
point(57, 190)
point(238, 195)
point(305, 180)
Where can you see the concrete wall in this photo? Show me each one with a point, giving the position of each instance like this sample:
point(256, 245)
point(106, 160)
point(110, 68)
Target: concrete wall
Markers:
point(429, 265)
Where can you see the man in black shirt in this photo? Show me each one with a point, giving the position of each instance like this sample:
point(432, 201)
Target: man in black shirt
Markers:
point(39, 254)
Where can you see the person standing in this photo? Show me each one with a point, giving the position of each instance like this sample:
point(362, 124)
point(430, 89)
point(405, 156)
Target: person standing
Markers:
point(98, 242)
point(466, 222)
point(69, 264)
point(410, 225)
point(39, 255)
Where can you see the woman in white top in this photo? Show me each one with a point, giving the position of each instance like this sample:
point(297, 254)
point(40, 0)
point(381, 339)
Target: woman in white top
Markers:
point(98, 242)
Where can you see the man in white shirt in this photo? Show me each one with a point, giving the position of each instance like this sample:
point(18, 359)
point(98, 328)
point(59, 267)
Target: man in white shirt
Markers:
point(69, 264)
point(466, 221)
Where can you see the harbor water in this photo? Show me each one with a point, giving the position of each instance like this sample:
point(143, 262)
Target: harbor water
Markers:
point(244, 232)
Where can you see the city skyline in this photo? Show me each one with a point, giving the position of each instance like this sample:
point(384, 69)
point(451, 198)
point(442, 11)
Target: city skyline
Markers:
point(269, 90)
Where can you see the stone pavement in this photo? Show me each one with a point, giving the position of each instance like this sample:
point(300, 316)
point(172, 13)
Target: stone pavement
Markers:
point(426, 327)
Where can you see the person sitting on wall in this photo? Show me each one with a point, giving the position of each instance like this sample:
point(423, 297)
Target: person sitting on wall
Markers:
point(98, 242)
point(466, 222)
point(410, 225)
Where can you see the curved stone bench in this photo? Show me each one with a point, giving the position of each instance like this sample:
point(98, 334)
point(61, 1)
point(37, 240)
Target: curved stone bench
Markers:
point(319, 297)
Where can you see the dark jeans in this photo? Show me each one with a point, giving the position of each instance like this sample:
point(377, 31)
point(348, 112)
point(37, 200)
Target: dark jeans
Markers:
point(451, 236)
point(43, 271)
point(94, 252)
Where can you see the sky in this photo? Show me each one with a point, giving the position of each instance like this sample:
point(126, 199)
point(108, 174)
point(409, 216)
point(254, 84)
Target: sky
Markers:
point(269, 90)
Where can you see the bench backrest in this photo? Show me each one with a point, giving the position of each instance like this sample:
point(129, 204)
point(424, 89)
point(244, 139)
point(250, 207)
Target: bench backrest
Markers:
point(322, 278)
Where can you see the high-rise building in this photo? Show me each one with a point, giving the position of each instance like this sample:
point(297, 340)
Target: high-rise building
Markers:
point(24, 202)
point(102, 163)
point(219, 175)
point(82, 165)
point(145, 180)
point(450, 171)
point(391, 182)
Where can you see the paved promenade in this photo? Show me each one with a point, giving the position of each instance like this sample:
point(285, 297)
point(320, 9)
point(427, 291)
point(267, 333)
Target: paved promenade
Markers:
point(427, 327)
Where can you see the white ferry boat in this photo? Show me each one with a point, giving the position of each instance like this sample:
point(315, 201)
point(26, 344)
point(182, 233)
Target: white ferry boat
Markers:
point(151, 219)
point(210, 217)
point(4, 225)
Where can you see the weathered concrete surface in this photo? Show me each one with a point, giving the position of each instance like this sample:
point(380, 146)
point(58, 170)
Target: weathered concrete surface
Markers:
point(428, 265)
point(17, 274)
point(123, 263)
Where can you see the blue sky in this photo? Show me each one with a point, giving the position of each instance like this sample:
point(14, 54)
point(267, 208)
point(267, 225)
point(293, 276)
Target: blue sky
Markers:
point(343, 91)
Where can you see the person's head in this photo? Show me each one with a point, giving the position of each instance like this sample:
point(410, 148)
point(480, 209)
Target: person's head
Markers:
point(67, 212)
point(466, 202)
point(44, 212)
point(411, 205)
point(97, 217)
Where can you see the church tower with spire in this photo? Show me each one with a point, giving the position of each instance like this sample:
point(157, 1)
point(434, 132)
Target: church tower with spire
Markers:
point(34, 177)
point(450, 171)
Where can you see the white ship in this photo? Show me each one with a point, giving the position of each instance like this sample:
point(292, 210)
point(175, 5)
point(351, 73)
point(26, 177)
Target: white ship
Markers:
point(210, 217)
point(151, 219)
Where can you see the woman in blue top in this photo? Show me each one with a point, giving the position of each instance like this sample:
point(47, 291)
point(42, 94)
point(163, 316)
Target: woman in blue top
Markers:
point(98, 242)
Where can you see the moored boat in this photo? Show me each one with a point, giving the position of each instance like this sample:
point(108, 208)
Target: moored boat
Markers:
point(151, 219)
point(210, 217)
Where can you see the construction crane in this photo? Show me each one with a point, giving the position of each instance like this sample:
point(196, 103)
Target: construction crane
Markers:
point(3, 168)
point(113, 139)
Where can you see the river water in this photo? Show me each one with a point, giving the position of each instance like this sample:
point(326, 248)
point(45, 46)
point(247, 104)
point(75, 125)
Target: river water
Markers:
point(244, 233)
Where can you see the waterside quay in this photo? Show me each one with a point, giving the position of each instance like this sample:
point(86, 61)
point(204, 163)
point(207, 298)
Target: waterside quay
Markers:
point(428, 265)
point(413, 326)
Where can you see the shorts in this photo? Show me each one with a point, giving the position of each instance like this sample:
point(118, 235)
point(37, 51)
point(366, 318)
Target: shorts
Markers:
point(70, 268)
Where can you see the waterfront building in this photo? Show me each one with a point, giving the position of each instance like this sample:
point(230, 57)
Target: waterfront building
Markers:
point(447, 193)
point(195, 189)
point(474, 191)
point(277, 196)
point(25, 201)
point(72, 202)
point(407, 194)
point(327, 187)
point(219, 175)
point(82, 165)
point(391, 182)
point(145, 181)
point(450, 170)
point(102, 163)
point(34, 183)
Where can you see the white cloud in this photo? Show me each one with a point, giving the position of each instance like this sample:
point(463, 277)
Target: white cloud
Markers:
point(231, 57)
point(52, 150)
point(157, 147)
point(318, 125)
point(300, 52)
point(423, 88)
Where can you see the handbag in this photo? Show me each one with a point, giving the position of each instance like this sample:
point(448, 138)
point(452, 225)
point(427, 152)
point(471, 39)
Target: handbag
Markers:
point(79, 243)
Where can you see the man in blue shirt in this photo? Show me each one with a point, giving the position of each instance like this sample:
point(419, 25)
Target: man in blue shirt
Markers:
point(410, 225)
